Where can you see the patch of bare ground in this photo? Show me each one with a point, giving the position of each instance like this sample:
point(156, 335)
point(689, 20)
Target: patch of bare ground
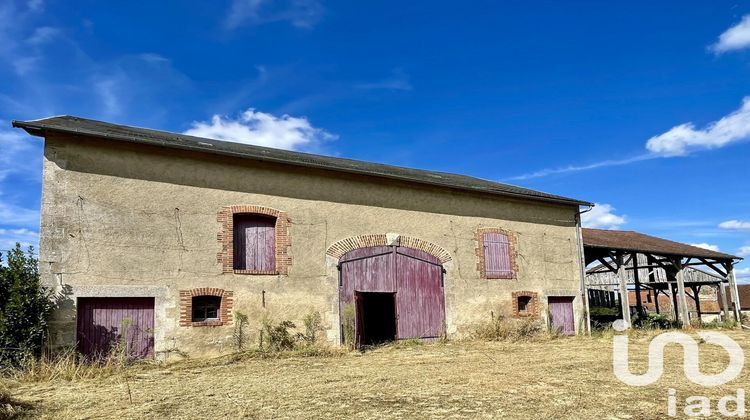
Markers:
point(546, 378)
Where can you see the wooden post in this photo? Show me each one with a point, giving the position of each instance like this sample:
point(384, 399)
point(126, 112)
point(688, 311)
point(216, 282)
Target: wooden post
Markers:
point(671, 297)
point(623, 290)
point(582, 263)
point(733, 290)
point(681, 298)
point(638, 301)
point(722, 291)
point(656, 299)
point(697, 297)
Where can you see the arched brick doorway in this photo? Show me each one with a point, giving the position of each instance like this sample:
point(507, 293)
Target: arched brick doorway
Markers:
point(393, 292)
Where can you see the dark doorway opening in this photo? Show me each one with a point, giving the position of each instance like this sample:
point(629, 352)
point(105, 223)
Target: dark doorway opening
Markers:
point(376, 318)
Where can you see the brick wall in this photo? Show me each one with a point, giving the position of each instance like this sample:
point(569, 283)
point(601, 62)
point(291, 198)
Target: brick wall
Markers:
point(338, 249)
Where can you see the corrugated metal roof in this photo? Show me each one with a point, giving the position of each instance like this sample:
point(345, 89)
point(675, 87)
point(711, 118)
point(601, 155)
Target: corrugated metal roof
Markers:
point(87, 127)
point(626, 240)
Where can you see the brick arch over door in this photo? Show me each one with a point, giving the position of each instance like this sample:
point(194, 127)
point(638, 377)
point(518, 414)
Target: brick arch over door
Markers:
point(339, 248)
point(413, 276)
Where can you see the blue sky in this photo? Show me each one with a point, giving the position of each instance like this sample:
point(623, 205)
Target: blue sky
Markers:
point(637, 106)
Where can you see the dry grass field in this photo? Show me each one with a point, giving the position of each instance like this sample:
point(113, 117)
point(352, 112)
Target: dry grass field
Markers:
point(546, 378)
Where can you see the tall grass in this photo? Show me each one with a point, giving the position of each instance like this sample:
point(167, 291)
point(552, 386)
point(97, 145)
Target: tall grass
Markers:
point(68, 366)
point(509, 329)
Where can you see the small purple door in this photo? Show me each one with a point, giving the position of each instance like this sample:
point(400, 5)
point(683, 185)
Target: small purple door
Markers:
point(561, 313)
point(103, 321)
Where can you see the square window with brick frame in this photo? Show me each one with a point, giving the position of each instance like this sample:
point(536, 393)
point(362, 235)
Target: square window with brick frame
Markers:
point(254, 242)
point(496, 252)
point(525, 303)
point(206, 308)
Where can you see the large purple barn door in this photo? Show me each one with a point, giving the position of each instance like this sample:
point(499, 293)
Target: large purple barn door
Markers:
point(416, 278)
point(365, 270)
point(102, 321)
point(561, 311)
point(419, 297)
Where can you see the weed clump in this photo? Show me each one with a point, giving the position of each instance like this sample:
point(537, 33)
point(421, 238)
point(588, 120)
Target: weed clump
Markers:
point(509, 329)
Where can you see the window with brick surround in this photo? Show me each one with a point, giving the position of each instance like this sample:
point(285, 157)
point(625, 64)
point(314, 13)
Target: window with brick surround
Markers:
point(497, 255)
point(254, 242)
point(525, 303)
point(206, 308)
point(273, 258)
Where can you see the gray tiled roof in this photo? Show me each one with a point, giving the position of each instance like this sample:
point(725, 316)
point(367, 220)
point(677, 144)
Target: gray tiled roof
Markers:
point(628, 240)
point(87, 127)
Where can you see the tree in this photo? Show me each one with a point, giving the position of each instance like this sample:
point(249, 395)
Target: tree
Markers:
point(25, 306)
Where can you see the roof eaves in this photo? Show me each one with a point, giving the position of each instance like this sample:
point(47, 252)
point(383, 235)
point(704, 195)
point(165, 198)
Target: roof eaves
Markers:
point(39, 127)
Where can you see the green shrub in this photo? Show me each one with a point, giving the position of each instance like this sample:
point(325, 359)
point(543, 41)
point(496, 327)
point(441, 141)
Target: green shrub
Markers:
point(25, 306)
point(313, 324)
point(653, 321)
point(349, 322)
point(277, 336)
point(240, 330)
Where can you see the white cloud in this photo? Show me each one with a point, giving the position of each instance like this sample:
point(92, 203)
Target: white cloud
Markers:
point(9, 238)
point(43, 34)
point(20, 154)
point(684, 138)
point(744, 251)
point(398, 80)
point(35, 5)
point(735, 38)
point(106, 90)
point(742, 273)
point(602, 216)
point(735, 225)
point(262, 129)
point(680, 140)
point(707, 246)
point(578, 168)
point(13, 215)
point(300, 13)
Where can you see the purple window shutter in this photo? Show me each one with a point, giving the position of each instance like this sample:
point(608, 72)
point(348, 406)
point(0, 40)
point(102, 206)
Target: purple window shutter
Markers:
point(241, 227)
point(266, 246)
point(497, 262)
point(254, 243)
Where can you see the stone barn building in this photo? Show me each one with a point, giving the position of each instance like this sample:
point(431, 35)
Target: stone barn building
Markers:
point(170, 236)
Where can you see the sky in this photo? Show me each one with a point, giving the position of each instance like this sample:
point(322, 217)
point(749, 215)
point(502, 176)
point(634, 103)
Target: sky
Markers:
point(641, 107)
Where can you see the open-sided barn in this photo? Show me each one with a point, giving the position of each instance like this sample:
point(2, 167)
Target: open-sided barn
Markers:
point(176, 234)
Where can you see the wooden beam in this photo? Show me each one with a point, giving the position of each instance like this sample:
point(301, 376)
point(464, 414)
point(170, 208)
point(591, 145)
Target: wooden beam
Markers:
point(606, 264)
point(681, 299)
point(625, 305)
point(722, 291)
point(735, 293)
point(638, 300)
point(673, 297)
point(713, 267)
point(697, 297)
